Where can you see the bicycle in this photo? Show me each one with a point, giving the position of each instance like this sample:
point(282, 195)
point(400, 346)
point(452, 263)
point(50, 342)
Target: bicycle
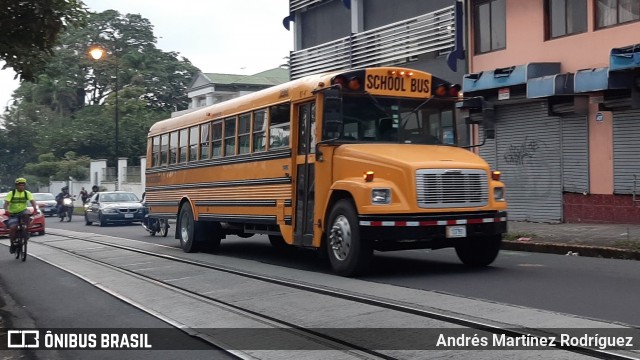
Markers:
point(22, 236)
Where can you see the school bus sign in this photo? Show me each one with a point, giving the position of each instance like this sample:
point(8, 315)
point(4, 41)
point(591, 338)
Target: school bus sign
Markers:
point(398, 83)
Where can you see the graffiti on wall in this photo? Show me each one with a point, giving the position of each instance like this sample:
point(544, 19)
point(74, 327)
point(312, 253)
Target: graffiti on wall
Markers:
point(517, 153)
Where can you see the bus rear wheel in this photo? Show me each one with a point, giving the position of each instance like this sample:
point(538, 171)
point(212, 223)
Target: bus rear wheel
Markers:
point(478, 252)
point(186, 227)
point(348, 254)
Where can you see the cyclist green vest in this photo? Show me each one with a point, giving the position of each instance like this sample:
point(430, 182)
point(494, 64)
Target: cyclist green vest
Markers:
point(19, 198)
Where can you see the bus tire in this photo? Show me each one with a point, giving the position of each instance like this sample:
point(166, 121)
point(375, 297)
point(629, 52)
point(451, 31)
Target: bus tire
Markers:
point(186, 229)
point(278, 243)
point(348, 254)
point(478, 252)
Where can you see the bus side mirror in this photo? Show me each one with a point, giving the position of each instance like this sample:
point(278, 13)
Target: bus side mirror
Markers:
point(332, 117)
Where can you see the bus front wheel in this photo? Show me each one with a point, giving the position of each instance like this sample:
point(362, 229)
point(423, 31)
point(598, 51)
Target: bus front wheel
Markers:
point(477, 252)
point(348, 254)
point(186, 229)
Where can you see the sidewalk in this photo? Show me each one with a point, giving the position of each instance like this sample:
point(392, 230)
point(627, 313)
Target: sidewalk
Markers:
point(619, 241)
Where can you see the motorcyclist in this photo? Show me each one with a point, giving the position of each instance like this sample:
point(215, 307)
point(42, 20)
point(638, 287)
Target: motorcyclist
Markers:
point(64, 193)
point(15, 205)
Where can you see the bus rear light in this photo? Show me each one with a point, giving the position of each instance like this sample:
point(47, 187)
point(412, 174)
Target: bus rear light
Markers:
point(495, 175)
point(441, 90)
point(368, 176)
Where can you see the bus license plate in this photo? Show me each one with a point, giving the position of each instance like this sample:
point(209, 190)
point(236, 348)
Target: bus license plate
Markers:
point(458, 231)
point(128, 216)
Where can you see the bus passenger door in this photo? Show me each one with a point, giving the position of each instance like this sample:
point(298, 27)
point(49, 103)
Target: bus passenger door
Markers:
point(305, 174)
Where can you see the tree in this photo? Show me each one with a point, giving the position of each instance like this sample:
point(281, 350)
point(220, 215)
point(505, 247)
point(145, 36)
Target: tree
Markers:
point(29, 31)
point(72, 105)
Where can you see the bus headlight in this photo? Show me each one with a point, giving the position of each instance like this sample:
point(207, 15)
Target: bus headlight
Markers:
point(498, 194)
point(380, 196)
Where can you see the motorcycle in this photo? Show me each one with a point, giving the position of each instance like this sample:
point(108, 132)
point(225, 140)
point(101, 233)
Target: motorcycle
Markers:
point(66, 210)
point(156, 226)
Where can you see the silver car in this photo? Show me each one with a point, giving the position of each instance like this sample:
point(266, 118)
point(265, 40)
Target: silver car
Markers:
point(107, 207)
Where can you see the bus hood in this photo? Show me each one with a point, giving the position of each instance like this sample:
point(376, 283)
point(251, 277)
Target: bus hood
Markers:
point(409, 156)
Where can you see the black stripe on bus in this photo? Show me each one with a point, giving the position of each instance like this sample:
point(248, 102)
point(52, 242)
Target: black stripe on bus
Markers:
point(262, 203)
point(236, 159)
point(218, 184)
point(163, 203)
point(253, 219)
point(287, 203)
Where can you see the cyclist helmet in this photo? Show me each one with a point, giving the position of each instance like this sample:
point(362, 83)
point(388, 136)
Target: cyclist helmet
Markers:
point(21, 181)
point(65, 188)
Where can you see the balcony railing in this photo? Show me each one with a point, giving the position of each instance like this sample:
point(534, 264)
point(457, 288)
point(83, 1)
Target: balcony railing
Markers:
point(391, 44)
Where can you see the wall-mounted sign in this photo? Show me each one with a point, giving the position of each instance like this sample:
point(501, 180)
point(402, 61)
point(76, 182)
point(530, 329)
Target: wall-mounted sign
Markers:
point(599, 117)
point(503, 94)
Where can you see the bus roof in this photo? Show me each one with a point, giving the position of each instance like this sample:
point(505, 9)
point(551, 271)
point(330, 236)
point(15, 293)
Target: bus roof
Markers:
point(290, 91)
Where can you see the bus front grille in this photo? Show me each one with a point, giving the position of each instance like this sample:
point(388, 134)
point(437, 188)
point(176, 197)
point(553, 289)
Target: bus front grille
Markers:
point(447, 188)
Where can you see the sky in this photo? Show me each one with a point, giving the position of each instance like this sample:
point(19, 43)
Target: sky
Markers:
point(217, 36)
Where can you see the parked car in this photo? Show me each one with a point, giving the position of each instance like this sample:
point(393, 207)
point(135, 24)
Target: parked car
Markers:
point(47, 203)
point(120, 207)
point(36, 226)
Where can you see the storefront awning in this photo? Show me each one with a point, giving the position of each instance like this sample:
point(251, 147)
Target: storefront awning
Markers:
point(625, 58)
point(599, 79)
point(552, 85)
point(508, 76)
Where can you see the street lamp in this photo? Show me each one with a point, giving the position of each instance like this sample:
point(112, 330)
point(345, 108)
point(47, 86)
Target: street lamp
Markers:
point(97, 52)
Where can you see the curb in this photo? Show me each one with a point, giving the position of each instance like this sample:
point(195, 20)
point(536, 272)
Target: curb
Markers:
point(566, 249)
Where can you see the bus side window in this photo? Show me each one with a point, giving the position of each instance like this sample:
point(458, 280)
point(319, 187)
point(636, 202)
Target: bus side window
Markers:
point(164, 149)
point(279, 126)
point(193, 143)
point(182, 148)
point(204, 140)
point(244, 134)
point(230, 136)
point(216, 150)
point(173, 147)
point(155, 151)
point(259, 130)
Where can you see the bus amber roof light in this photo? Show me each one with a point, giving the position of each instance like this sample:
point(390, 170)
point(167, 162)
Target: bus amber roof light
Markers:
point(454, 90)
point(410, 73)
point(354, 84)
point(368, 176)
point(392, 72)
point(440, 90)
point(339, 80)
point(495, 175)
point(402, 73)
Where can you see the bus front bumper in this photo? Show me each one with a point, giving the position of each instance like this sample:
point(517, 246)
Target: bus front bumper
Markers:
point(397, 232)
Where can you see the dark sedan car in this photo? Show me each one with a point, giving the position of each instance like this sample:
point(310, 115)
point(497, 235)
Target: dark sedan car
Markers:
point(47, 203)
point(107, 207)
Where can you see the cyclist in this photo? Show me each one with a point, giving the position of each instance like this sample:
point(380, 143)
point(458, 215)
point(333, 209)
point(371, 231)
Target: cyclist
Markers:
point(15, 205)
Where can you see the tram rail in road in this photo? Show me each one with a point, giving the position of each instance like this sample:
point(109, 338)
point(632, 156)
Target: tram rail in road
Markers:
point(203, 293)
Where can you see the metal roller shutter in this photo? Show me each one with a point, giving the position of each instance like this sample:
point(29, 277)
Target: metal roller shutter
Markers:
point(626, 150)
point(527, 151)
point(575, 154)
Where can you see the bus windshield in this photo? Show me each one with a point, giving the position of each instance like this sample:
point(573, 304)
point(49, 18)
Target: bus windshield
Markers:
point(398, 120)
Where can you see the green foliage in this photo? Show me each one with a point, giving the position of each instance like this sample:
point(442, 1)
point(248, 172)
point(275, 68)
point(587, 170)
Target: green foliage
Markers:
point(72, 106)
point(49, 167)
point(29, 31)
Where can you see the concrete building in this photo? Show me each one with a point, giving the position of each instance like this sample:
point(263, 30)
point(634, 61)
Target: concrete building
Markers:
point(211, 88)
point(344, 34)
point(564, 77)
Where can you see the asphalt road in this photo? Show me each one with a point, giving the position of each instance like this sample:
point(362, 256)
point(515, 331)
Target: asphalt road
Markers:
point(597, 288)
point(34, 294)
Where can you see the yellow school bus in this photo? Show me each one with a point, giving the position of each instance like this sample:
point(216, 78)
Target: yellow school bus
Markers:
point(348, 162)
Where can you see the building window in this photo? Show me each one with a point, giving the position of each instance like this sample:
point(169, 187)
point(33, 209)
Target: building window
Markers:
point(612, 12)
point(490, 26)
point(566, 17)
